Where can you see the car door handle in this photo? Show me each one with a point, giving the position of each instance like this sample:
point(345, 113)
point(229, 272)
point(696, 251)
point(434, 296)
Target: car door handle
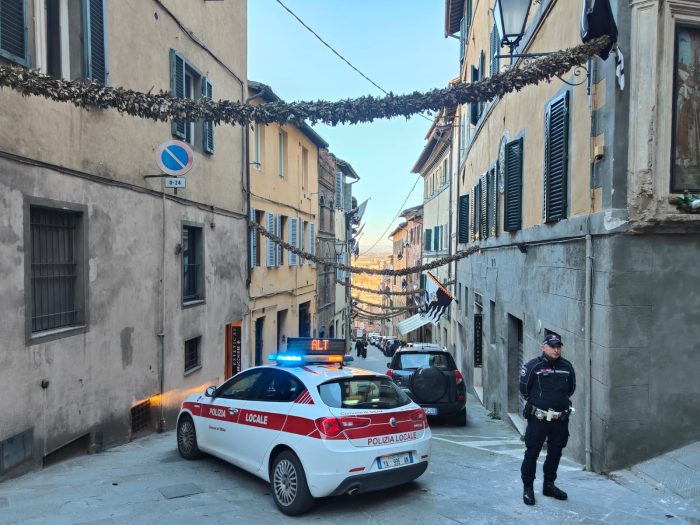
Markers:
point(233, 410)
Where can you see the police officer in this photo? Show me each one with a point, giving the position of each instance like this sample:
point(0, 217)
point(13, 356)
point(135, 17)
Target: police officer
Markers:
point(546, 382)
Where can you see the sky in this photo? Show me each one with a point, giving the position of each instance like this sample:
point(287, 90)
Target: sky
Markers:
point(399, 44)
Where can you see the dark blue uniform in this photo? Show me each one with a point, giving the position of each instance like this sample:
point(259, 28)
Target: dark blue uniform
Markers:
point(546, 385)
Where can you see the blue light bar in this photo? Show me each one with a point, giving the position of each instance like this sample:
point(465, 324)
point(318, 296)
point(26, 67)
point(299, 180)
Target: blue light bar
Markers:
point(295, 359)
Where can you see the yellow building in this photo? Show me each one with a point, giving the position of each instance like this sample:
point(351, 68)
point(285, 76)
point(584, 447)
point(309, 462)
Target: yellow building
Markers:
point(283, 175)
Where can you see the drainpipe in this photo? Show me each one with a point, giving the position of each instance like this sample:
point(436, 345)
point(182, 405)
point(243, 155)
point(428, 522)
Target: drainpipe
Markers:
point(161, 333)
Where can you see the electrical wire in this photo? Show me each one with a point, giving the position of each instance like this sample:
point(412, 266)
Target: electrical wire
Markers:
point(395, 216)
point(380, 88)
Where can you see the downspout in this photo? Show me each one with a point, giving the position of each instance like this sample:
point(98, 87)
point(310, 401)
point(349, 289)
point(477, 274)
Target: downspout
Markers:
point(589, 275)
point(161, 333)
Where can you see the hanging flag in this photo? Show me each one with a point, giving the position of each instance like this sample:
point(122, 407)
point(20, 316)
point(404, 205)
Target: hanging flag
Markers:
point(358, 212)
point(436, 302)
point(597, 20)
point(619, 66)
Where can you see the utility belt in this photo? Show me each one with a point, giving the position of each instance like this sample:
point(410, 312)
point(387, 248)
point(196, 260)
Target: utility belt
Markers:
point(550, 415)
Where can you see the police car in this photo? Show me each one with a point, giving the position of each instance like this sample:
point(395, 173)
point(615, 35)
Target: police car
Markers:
point(310, 426)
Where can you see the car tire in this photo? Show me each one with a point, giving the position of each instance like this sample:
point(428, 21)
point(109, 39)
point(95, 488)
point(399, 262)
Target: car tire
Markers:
point(460, 418)
point(289, 487)
point(187, 439)
point(428, 384)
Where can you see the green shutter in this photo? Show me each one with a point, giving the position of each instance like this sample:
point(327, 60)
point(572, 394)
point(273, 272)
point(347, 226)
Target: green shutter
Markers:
point(556, 158)
point(13, 31)
point(253, 240)
point(495, 49)
point(95, 41)
point(468, 18)
point(177, 88)
point(474, 106)
point(483, 207)
point(462, 39)
point(492, 196)
point(513, 198)
point(207, 126)
point(427, 236)
point(463, 236)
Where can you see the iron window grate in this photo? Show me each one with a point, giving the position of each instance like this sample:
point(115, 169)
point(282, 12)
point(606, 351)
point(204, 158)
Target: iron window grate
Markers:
point(140, 416)
point(192, 353)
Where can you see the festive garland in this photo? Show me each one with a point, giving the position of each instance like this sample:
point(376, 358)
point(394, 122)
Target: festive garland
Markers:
point(375, 317)
point(419, 291)
point(355, 269)
point(376, 305)
point(164, 106)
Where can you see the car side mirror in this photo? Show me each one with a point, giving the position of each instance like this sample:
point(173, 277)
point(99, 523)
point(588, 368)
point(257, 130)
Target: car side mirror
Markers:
point(210, 391)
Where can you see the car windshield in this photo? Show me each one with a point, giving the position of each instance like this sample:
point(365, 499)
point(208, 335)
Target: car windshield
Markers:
point(411, 360)
point(363, 393)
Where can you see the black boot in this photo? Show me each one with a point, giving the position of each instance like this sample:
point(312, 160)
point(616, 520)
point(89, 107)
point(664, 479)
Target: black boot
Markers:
point(551, 490)
point(528, 495)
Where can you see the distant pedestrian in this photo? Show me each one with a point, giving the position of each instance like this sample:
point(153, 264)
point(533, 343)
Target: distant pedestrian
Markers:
point(547, 383)
point(360, 347)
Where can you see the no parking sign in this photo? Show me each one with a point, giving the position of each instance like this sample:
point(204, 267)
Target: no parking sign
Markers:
point(175, 158)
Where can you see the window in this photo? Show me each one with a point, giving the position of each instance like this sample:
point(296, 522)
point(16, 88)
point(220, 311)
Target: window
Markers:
point(271, 248)
point(253, 240)
point(192, 263)
point(13, 33)
point(463, 236)
point(281, 222)
point(474, 107)
point(428, 240)
point(556, 158)
point(186, 82)
point(436, 238)
point(280, 387)
point(293, 239)
point(192, 354)
point(304, 169)
point(363, 393)
point(494, 50)
point(339, 189)
point(513, 197)
point(302, 239)
point(241, 386)
point(56, 292)
point(685, 166)
point(492, 204)
point(257, 156)
point(281, 153)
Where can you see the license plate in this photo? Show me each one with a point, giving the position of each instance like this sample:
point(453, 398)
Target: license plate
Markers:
point(431, 411)
point(394, 460)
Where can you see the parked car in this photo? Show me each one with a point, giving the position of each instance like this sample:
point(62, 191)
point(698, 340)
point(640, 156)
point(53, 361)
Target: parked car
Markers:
point(429, 375)
point(388, 342)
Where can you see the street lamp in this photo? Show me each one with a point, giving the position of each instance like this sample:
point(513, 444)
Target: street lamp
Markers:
point(511, 17)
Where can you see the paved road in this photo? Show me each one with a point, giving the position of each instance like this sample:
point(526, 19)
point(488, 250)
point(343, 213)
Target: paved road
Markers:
point(473, 478)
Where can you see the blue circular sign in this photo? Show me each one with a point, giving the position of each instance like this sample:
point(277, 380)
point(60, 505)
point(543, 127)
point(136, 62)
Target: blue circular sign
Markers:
point(175, 158)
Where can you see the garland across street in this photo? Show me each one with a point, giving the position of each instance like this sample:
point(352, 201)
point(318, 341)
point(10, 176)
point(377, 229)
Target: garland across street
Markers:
point(420, 291)
point(164, 106)
point(356, 269)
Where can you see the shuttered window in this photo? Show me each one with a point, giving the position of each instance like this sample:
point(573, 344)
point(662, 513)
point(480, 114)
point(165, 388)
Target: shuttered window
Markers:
point(477, 211)
point(208, 126)
point(13, 31)
point(177, 88)
point(302, 240)
point(293, 233)
point(462, 39)
point(95, 41)
point(474, 107)
point(278, 232)
point(494, 50)
point(513, 198)
point(339, 190)
point(483, 207)
point(253, 241)
point(269, 243)
point(463, 235)
point(192, 263)
point(556, 158)
point(428, 236)
point(312, 241)
point(436, 238)
point(492, 202)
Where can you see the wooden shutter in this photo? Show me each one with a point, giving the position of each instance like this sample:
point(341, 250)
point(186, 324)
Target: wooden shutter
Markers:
point(302, 244)
point(428, 239)
point(493, 201)
point(495, 49)
point(95, 41)
point(253, 241)
point(269, 243)
point(462, 39)
point(312, 241)
point(339, 190)
point(280, 234)
point(474, 106)
point(13, 31)
point(293, 232)
point(483, 207)
point(513, 197)
point(177, 88)
point(472, 213)
point(436, 238)
point(207, 126)
point(463, 236)
point(468, 18)
point(556, 158)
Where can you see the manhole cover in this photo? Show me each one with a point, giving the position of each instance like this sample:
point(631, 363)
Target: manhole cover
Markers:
point(179, 491)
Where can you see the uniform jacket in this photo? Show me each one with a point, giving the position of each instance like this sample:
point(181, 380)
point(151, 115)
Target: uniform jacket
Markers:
point(548, 384)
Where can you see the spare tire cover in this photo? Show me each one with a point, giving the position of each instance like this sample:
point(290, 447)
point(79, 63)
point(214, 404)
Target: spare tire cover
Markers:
point(428, 384)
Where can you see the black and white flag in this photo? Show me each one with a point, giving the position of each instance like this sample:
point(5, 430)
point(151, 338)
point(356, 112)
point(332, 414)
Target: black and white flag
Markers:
point(436, 303)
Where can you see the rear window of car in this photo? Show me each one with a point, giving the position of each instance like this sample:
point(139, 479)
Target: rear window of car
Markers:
point(414, 360)
point(362, 393)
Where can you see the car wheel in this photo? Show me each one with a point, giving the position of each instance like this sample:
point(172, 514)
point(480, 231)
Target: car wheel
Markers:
point(428, 384)
point(289, 487)
point(187, 439)
point(460, 419)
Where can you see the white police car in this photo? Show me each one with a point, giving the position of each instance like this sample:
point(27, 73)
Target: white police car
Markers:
point(310, 426)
